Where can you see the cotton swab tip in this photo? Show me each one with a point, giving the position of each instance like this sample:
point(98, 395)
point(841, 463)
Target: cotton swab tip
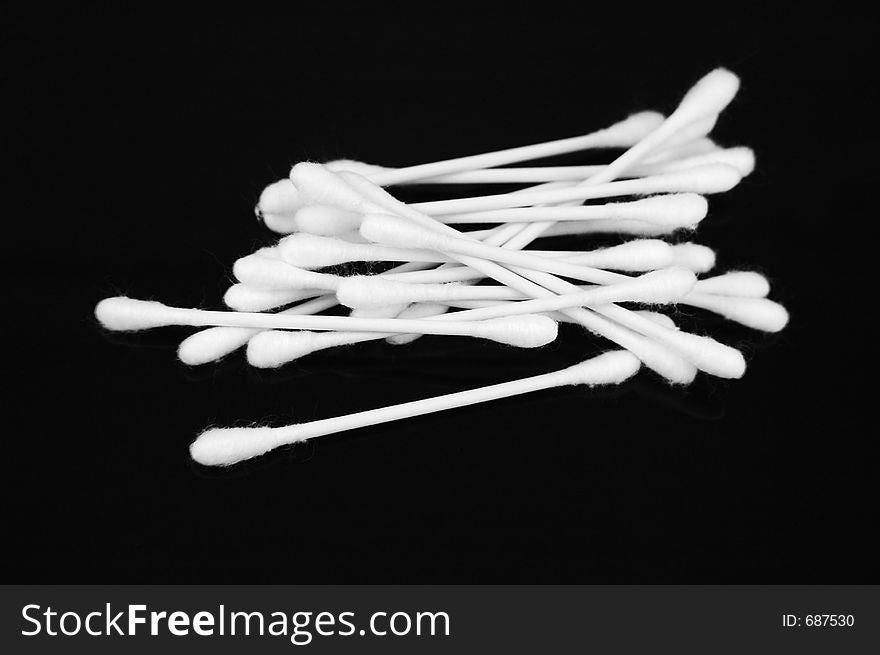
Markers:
point(325, 220)
point(318, 185)
point(694, 256)
point(710, 95)
point(525, 331)
point(280, 197)
point(211, 344)
point(226, 446)
point(124, 314)
point(611, 367)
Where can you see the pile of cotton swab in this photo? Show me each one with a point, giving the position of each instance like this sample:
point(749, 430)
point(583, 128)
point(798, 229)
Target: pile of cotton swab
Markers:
point(339, 212)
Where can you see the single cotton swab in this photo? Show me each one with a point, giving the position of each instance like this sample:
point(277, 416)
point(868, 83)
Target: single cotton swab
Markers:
point(705, 179)
point(127, 314)
point(739, 157)
point(310, 252)
point(226, 446)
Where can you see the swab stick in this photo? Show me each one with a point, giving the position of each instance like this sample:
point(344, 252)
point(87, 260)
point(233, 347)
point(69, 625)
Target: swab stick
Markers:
point(739, 157)
point(226, 446)
point(623, 134)
point(653, 288)
point(678, 210)
point(309, 252)
point(705, 179)
point(127, 314)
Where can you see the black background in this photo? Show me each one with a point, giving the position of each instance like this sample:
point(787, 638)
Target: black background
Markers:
point(137, 146)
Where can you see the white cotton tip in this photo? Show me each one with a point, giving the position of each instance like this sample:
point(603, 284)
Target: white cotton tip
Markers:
point(325, 220)
point(379, 311)
point(757, 313)
point(125, 314)
point(268, 252)
point(630, 130)
point(710, 95)
point(746, 284)
point(355, 166)
point(661, 287)
point(525, 331)
point(705, 179)
point(613, 367)
point(636, 256)
point(280, 197)
point(740, 157)
point(280, 223)
point(272, 274)
point(211, 344)
point(697, 258)
point(662, 360)
point(707, 354)
point(226, 446)
point(400, 232)
point(243, 298)
point(658, 318)
point(416, 311)
point(319, 185)
point(674, 209)
point(274, 348)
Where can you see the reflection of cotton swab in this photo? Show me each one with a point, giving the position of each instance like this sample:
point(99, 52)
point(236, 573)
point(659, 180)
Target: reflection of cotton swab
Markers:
point(128, 314)
point(225, 446)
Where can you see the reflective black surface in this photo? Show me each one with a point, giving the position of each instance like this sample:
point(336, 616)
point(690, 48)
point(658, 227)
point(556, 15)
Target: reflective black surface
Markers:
point(140, 147)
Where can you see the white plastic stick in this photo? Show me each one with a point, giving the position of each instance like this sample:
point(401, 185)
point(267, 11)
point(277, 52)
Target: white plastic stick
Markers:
point(127, 314)
point(226, 446)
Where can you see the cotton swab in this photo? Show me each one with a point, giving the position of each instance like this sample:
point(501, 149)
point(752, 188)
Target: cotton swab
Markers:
point(310, 252)
point(226, 446)
point(705, 179)
point(127, 314)
point(678, 210)
point(739, 157)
